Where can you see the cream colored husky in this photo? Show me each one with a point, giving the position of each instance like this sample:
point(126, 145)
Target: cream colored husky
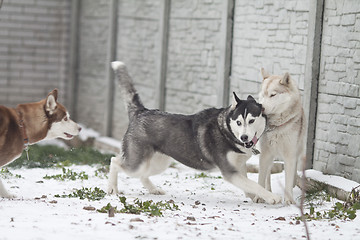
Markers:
point(285, 135)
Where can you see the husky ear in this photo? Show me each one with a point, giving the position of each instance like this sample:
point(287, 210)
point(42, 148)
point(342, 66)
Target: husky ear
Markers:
point(51, 103)
point(54, 93)
point(264, 74)
point(235, 101)
point(286, 79)
point(250, 98)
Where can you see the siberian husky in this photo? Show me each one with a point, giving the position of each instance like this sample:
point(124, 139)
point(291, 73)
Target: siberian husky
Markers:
point(29, 123)
point(213, 138)
point(284, 136)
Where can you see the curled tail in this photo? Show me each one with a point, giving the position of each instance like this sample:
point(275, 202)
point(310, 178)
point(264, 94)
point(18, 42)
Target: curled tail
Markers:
point(128, 91)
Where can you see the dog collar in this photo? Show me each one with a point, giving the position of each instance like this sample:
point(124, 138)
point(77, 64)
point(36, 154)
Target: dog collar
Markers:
point(252, 144)
point(23, 134)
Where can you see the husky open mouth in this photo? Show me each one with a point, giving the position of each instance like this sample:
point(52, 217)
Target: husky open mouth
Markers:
point(251, 143)
point(68, 135)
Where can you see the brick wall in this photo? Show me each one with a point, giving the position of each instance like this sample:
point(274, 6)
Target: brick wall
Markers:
point(269, 34)
point(137, 46)
point(33, 49)
point(92, 65)
point(193, 55)
point(337, 144)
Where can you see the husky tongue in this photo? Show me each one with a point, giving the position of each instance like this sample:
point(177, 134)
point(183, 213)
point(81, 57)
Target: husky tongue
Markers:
point(252, 143)
point(254, 140)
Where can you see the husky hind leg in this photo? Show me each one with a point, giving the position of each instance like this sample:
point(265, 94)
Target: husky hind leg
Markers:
point(115, 167)
point(156, 165)
point(3, 192)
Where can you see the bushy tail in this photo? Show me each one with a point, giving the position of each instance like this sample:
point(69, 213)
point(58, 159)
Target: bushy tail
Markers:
point(129, 93)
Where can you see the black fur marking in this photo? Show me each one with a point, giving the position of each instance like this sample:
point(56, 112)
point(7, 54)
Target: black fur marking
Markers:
point(250, 105)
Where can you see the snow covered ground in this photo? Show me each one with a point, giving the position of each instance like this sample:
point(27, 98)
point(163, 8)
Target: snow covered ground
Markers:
point(209, 208)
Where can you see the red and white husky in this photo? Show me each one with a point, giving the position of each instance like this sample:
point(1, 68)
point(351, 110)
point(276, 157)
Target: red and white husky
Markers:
point(30, 123)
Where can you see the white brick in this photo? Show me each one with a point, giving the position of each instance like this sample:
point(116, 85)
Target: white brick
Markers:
point(348, 19)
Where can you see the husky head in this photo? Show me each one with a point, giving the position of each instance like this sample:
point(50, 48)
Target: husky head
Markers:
point(247, 121)
point(278, 93)
point(59, 122)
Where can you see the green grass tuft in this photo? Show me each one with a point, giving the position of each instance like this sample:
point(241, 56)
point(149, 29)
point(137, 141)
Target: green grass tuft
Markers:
point(148, 207)
point(54, 156)
point(68, 174)
point(6, 174)
point(318, 194)
point(204, 175)
point(95, 194)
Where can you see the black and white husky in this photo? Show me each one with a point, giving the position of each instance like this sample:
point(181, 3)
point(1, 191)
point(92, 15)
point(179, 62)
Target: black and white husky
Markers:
point(213, 138)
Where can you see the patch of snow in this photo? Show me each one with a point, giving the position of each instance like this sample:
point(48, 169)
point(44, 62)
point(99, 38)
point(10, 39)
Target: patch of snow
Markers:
point(336, 181)
point(86, 133)
point(55, 142)
point(210, 208)
point(254, 160)
point(110, 141)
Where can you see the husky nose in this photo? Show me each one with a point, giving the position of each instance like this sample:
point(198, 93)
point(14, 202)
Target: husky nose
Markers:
point(244, 138)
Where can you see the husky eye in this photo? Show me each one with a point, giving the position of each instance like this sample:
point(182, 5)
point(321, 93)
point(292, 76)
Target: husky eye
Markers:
point(273, 95)
point(65, 119)
point(238, 123)
point(251, 121)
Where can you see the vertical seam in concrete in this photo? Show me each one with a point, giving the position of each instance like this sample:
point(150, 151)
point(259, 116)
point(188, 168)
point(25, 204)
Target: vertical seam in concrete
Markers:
point(111, 55)
point(225, 53)
point(312, 74)
point(163, 51)
point(72, 88)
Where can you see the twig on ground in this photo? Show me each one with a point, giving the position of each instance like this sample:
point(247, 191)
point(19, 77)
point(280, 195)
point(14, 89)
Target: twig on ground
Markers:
point(302, 184)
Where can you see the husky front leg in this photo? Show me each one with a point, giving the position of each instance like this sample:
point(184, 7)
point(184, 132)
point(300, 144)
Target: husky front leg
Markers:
point(113, 175)
point(238, 161)
point(243, 172)
point(265, 165)
point(3, 192)
point(290, 176)
point(251, 187)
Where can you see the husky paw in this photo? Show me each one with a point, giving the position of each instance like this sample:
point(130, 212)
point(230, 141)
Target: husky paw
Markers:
point(250, 195)
point(157, 191)
point(274, 200)
point(258, 199)
point(289, 201)
point(112, 190)
point(8, 195)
